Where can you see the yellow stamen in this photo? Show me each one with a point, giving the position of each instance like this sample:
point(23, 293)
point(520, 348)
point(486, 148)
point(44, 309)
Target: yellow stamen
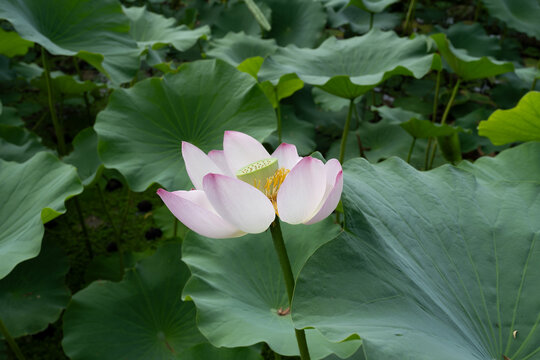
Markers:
point(272, 185)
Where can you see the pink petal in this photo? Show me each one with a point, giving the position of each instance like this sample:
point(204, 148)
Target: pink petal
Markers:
point(218, 157)
point(239, 203)
point(301, 193)
point(241, 150)
point(334, 187)
point(198, 164)
point(194, 210)
point(287, 156)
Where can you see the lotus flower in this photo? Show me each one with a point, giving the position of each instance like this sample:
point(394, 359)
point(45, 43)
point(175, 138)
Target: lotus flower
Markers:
point(242, 188)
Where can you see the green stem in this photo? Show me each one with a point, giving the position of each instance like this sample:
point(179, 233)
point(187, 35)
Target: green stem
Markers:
point(84, 228)
point(445, 116)
point(11, 342)
point(281, 250)
point(175, 228)
point(451, 101)
point(57, 126)
point(533, 86)
point(85, 94)
point(433, 156)
point(278, 113)
point(106, 210)
point(433, 116)
point(477, 11)
point(436, 99)
point(408, 18)
point(371, 16)
point(411, 150)
point(428, 150)
point(358, 139)
point(345, 132)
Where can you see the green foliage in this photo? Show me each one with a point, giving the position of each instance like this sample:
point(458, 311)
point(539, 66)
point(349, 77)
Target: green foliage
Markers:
point(34, 193)
point(521, 15)
point(141, 130)
point(154, 31)
point(238, 289)
point(432, 264)
point(108, 320)
point(466, 66)
point(350, 68)
point(33, 294)
point(521, 123)
point(97, 32)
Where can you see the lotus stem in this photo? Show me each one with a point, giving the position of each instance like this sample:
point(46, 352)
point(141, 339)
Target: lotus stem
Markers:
point(56, 123)
point(281, 250)
point(451, 101)
point(477, 10)
point(278, 114)
point(428, 150)
point(371, 16)
point(445, 115)
point(409, 15)
point(433, 116)
point(358, 139)
point(11, 342)
point(533, 86)
point(85, 94)
point(175, 228)
point(345, 132)
point(411, 150)
point(84, 228)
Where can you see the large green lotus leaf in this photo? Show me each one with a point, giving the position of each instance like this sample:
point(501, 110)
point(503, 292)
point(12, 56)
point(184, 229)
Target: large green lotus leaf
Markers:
point(18, 144)
point(298, 22)
point(238, 288)
point(141, 130)
point(141, 317)
point(423, 129)
point(96, 31)
point(508, 164)
point(156, 31)
point(359, 20)
point(63, 85)
point(208, 352)
point(32, 193)
point(374, 6)
point(234, 48)
point(233, 16)
point(521, 15)
point(11, 44)
point(85, 156)
point(432, 265)
point(34, 294)
point(473, 38)
point(521, 123)
point(9, 116)
point(349, 68)
point(466, 66)
point(396, 115)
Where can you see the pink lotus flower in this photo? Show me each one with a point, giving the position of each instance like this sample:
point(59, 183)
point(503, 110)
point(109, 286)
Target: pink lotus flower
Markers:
point(241, 188)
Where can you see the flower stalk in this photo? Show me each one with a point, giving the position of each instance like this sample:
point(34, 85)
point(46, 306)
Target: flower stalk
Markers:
point(56, 123)
point(345, 132)
point(281, 250)
point(11, 342)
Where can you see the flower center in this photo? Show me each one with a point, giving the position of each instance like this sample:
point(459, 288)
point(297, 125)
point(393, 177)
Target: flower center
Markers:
point(266, 176)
